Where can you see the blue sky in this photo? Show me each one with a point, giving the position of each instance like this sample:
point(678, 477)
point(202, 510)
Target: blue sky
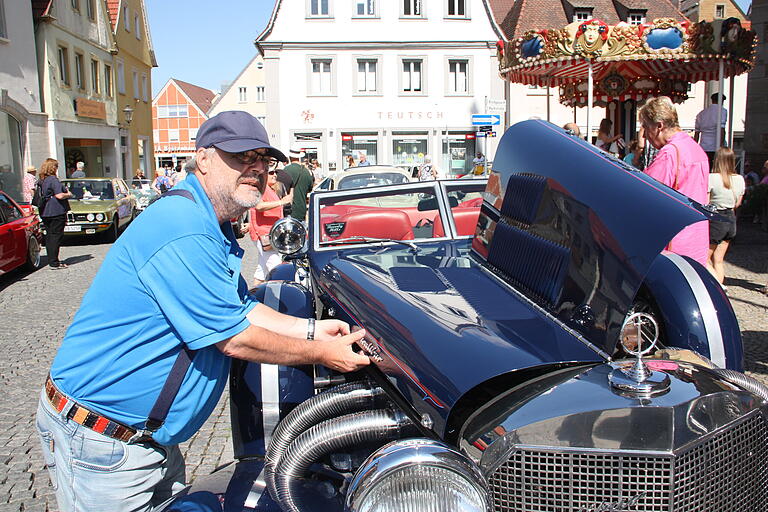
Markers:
point(208, 42)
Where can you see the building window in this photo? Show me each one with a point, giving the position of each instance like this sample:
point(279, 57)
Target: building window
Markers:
point(365, 8)
point(126, 20)
point(108, 80)
point(76, 5)
point(458, 76)
point(79, 72)
point(719, 11)
point(173, 135)
point(95, 77)
point(193, 133)
point(457, 8)
point(164, 111)
point(260, 95)
point(580, 15)
point(318, 8)
point(3, 29)
point(242, 94)
point(321, 79)
point(366, 75)
point(63, 65)
point(135, 84)
point(137, 26)
point(90, 9)
point(120, 77)
point(412, 77)
point(411, 8)
point(144, 88)
point(636, 18)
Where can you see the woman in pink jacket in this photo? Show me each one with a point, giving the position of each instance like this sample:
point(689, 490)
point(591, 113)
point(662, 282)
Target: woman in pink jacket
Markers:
point(262, 217)
point(682, 165)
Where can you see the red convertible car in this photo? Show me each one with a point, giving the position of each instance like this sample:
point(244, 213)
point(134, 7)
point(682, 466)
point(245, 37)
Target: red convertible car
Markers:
point(20, 236)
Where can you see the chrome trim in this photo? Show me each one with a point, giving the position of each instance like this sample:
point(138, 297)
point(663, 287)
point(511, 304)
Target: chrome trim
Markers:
point(416, 451)
point(707, 308)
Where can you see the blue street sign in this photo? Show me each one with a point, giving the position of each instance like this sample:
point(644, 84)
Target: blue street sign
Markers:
point(485, 119)
point(480, 134)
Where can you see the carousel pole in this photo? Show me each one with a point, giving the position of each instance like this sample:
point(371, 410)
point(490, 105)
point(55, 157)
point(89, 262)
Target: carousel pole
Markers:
point(590, 92)
point(730, 109)
point(549, 83)
point(721, 84)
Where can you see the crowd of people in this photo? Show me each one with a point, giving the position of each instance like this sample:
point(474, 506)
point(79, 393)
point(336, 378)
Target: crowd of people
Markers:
point(697, 166)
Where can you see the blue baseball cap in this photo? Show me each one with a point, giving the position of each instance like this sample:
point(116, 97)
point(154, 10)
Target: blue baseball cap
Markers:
point(235, 131)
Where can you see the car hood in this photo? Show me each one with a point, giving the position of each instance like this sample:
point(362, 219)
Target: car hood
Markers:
point(573, 229)
point(438, 324)
point(91, 205)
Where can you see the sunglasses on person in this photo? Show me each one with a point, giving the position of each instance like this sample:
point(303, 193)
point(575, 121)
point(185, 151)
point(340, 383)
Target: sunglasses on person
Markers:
point(251, 156)
point(271, 173)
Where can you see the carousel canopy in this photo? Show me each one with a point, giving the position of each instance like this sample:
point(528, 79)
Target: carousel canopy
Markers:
point(628, 61)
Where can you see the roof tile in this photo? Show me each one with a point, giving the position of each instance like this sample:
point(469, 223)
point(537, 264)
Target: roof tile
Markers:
point(200, 96)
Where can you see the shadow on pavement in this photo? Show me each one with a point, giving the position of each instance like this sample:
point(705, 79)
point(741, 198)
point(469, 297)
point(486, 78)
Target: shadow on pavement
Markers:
point(74, 260)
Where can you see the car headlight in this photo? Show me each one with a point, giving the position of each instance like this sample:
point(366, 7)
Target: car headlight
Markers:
point(99, 217)
point(288, 235)
point(90, 217)
point(418, 475)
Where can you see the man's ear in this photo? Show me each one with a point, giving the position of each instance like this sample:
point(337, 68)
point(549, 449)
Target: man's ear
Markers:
point(203, 159)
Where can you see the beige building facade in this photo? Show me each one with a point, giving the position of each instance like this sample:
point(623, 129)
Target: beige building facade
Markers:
point(247, 92)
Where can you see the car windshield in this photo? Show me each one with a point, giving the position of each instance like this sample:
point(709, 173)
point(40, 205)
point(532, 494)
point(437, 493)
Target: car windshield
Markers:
point(139, 184)
point(90, 189)
point(371, 179)
point(399, 213)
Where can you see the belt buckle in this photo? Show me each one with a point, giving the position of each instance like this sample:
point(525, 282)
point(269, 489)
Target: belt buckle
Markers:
point(141, 436)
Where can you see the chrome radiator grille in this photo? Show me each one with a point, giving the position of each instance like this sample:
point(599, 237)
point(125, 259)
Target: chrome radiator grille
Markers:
point(727, 472)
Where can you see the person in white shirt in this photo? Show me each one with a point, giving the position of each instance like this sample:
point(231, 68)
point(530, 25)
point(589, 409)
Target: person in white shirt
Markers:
point(706, 128)
point(478, 163)
point(79, 171)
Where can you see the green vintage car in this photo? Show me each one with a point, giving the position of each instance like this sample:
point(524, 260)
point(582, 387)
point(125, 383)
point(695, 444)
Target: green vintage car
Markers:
point(99, 206)
point(144, 193)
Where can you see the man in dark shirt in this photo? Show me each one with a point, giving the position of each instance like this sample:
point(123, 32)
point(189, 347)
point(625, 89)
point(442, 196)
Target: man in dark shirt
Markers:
point(302, 185)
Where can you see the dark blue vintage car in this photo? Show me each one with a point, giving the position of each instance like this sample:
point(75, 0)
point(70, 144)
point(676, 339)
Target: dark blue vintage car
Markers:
point(534, 349)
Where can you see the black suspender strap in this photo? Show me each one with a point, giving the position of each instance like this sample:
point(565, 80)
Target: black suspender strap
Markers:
point(172, 384)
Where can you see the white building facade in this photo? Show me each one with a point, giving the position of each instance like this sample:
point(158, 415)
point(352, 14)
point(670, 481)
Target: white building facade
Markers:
point(247, 92)
point(23, 136)
point(79, 80)
point(398, 80)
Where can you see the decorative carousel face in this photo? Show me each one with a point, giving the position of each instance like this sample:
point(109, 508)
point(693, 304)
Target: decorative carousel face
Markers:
point(591, 37)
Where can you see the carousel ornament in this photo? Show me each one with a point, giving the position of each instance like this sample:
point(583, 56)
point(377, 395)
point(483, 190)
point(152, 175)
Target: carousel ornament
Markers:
point(557, 43)
point(614, 84)
point(590, 38)
point(624, 39)
point(665, 36)
point(701, 38)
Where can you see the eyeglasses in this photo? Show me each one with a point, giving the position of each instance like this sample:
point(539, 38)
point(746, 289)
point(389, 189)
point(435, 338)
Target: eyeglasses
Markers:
point(272, 172)
point(251, 156)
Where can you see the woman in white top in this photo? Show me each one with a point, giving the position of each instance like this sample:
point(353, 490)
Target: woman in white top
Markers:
point(726, 189)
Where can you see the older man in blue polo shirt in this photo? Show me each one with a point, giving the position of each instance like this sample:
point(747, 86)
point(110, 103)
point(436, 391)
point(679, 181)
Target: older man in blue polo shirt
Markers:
point(180, 290)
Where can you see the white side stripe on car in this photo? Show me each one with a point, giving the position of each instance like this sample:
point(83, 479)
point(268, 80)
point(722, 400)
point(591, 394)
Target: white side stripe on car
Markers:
point(707, 308)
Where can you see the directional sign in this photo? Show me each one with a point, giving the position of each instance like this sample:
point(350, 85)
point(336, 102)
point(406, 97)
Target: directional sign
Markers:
point(485, 119)
point(486, 129)
point(495, 106)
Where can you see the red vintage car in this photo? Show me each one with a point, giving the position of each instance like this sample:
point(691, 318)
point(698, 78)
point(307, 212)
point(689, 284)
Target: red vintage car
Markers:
point(20, 235)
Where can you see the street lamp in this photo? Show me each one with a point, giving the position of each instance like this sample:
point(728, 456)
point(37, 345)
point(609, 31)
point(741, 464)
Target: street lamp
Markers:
point(128, 111)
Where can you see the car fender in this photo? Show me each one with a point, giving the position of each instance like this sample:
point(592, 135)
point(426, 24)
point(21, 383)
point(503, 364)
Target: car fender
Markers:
point(695, 312)
point(283, 272)
point(262, 394)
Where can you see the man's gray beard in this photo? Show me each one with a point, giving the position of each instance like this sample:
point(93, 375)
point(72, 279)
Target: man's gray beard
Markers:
point(230, 206)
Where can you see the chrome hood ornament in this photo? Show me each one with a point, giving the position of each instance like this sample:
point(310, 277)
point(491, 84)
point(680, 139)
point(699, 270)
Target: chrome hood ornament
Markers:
point(639, 336)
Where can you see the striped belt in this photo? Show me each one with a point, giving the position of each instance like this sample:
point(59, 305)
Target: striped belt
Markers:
point(86, 417)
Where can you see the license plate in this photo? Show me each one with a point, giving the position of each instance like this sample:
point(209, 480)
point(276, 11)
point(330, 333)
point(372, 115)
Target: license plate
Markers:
point(73, 228)
point(90, 231)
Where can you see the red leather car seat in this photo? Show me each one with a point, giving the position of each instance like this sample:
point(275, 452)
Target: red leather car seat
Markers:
point(378, 223)
point(465, 220)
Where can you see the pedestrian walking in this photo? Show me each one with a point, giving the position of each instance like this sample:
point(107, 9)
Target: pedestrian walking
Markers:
point(680, 164)
point(105, 444)
point(302, 182)
point(262, 217)
point(706, 127)
point(79, 171)
point(427, 170)
point(479, 164)
point(726, 190)
point(53, 210)
point(28, 184)
point(161, 183)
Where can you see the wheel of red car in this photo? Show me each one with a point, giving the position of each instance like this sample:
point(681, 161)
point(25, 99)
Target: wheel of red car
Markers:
point(33, 254)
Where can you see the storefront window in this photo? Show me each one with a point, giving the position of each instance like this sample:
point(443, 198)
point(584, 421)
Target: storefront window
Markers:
point(458, 152)
point(10, 156)
point(355, 145)
point(409, 149)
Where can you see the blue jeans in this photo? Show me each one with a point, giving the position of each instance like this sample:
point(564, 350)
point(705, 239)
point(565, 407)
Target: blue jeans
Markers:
point(90, 471)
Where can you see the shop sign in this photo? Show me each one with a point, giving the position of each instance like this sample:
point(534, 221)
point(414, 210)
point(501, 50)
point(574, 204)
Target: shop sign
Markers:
point(469, 136)
point(410, 115)
point(346, 137)
point(480, 135)
point(90, 108)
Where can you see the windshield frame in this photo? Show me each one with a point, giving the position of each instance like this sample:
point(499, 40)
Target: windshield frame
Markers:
point(439, 188)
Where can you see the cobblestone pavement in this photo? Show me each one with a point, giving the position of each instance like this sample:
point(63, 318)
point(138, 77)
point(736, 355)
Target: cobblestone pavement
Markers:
point(35, 310)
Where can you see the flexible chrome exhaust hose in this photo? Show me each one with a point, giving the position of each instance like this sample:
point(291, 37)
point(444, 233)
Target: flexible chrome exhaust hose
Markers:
point(744, 381)
point(328, 437)
point(342, 399)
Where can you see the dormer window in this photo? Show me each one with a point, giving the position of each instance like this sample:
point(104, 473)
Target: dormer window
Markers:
point(582, 14)
point(636, 17)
